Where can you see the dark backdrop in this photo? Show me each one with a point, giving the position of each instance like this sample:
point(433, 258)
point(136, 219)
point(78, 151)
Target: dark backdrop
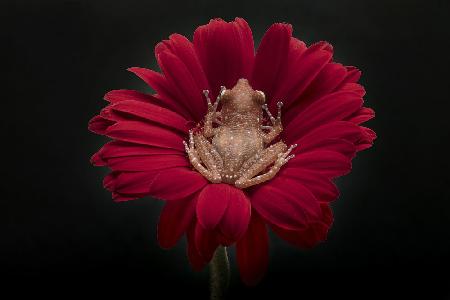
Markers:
point(61, 229)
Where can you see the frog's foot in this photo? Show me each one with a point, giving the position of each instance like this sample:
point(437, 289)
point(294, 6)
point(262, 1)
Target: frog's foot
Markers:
point(276, 127)
point(276, 154)
point(271, 117)
point(212, 114)
point(283, 158)
point(199, 154)
point(213, 107)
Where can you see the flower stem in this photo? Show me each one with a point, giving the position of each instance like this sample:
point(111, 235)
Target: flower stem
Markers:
point(219, 269)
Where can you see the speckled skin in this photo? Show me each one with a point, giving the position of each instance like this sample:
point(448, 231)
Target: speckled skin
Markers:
point(236, 151)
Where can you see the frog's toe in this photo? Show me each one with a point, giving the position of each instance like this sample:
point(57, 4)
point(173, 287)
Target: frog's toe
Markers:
point(216, 179)
point(186, 147)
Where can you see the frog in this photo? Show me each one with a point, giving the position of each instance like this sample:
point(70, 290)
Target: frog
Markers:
point(234, 146)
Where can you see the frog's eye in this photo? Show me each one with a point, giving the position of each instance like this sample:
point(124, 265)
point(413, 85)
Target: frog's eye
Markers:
point(224, 95)
point(260, 97)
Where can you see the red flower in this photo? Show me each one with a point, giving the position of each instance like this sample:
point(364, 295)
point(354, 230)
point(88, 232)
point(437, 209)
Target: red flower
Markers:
point(322, 113)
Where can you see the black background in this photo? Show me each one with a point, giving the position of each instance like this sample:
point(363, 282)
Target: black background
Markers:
point(61, 229)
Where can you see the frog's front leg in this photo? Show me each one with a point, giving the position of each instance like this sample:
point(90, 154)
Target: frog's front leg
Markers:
point(276, 127)
point(276, 154)
point(201, 151)
point(211, 115)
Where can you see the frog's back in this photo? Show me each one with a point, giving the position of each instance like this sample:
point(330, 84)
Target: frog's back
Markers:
point(237, 145)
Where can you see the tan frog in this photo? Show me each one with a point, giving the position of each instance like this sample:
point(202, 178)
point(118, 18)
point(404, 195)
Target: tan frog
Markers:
point(237, 151)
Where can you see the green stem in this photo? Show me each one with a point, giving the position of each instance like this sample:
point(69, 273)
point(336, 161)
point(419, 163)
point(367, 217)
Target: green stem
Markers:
point(219, 269)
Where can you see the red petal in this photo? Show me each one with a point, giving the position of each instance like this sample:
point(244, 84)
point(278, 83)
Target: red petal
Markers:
point(115, 96)
point(247, 46)
point(174, 221)
point(128, 183)
point(311, 235)
point(353, 75)
point(366, 139)
point(355, 88)
point(334, 130)
point(225, 51)
point(322, 188)
point(160, 84)
point(328, 163)
point(176, 183)
point(336, 136)
point(333, 107)
point(300, 73)
point(97, 160)
point(195, 259)
point(182, 48)
point(118, 197)
point(323, 45)
point(212, 203)
point(341, 146)
point(305, 239)
point(252, 251)
point(272, 57)
point(150, 112)
point(325, 82)
point(286, 203)
point(99, 125)
point(237, 216)
point(147, 163)
point(116, 149)
point(146, 134)
point(183, 85)
point(364, 114)
point(206, 242)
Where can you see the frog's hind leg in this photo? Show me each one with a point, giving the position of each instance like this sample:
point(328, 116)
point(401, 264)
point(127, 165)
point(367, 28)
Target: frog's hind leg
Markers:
point(277, 154)
point(208, 154)
point(201, 151)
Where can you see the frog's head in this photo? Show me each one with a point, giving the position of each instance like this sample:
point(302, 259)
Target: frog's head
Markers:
point(242, 98)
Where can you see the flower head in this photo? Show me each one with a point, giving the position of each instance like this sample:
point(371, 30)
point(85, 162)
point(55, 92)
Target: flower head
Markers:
point(322, 113)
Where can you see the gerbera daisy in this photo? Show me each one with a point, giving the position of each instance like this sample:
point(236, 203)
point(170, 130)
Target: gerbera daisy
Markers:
point(217, 191)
